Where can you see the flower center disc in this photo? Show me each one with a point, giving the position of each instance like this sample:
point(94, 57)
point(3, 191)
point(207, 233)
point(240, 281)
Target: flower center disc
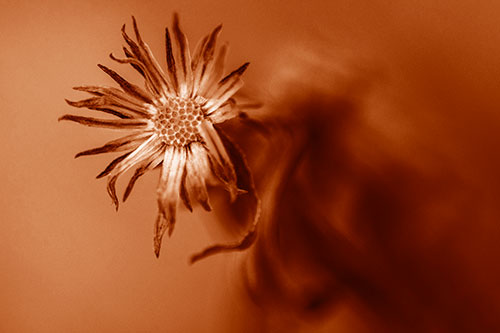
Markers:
point(176, 123)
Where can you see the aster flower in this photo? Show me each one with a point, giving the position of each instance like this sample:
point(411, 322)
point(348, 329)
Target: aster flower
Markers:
point(172, 119)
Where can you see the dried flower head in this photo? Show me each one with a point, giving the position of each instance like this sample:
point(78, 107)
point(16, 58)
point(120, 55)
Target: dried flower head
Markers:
point(173, 121)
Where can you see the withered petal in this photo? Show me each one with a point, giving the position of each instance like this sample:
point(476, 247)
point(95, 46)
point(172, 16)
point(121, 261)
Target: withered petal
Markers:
point(112, 190)
point(183, 63)
point(114, 99)
point(161, 225)
point(106, 123)
point(154, 161)
point(174, 162)
point(226, 111)
point(218, 157)
point(184, 193)
point(141, 68)
point(171, 60)
point(202, 62)
point(138, 172)
point(245, 181)
point(226, 88)
point(94, 103)
point(209, 48)
point(236, 73)
point(210, 80)
point(129, 54)
point(197, 166)
point(198, 51)
point(144, 152)
point(128, 87)
point(241, 245)
point(157, 81)
point(112, 165)
point(115, 145)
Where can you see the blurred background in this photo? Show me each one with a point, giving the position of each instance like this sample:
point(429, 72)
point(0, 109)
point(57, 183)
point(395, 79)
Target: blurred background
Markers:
point(378, 171)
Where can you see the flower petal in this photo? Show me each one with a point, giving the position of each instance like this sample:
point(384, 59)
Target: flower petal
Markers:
point(183, 61)
point(163, 222)
point(249, 200)
point(226, 88)
point(121, 144)
point(128, 54)
point(128, 87)
point(106, 123)
point(198, 51)
point(158, 81)
point(149, 164)
point(111, 187)
point(198, 168)
point(141, 68)
point(183, 193)
point(144, 152)
point(226, 111)
point(172, 72)
point(203, 60)
point(112, 98)
point(168, 190)
point(214, 74)
point(95, 103)
point(112, 165)
point(219, 160)
point(240, 245)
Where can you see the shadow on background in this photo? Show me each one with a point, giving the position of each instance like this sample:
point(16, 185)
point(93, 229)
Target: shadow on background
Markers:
point(350, 222)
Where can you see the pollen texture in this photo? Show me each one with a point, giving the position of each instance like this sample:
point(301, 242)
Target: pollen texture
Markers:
point(176, 123)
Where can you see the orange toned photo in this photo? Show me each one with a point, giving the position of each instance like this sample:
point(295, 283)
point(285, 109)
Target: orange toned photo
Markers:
point(262, 166)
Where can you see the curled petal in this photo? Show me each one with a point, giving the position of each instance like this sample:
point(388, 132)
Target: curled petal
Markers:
point(141, 68)
point(250, 199)
point(112, 190)
point(129, 55)
point(240, 245)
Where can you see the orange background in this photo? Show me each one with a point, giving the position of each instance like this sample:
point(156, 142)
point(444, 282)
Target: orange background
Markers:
point(71, 264)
